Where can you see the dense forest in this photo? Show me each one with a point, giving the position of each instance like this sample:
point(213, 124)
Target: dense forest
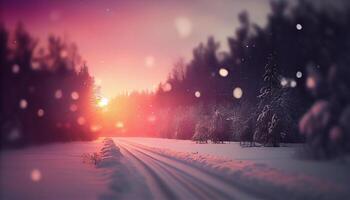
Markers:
point(46, 94)
point(286, 81)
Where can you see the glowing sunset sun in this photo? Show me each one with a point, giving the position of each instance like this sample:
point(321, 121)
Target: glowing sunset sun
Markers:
point(103, 102)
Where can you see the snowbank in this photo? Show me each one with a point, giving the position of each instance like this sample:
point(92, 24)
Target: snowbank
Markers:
point(124, 183)
point(110, 154)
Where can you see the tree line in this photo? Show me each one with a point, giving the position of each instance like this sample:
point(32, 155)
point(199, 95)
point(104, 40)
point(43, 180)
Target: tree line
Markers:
point(258, 91)
point(46, 92)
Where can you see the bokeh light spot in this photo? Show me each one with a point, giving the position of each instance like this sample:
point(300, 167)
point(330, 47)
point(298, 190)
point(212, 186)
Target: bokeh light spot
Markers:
point(223, 72)
point(183, 26)
point(35, 65)
point(149, 61)
point(299, 27)
point(40, 112)
point(73, 107)
point(299, 74)
point(167, 87)
point(81, 120)
point(35, 175)
point(75, 95)
point(293, 83)
point(63, 54)
point(58, 94)
point(95, 128)
point(310, 82)
point(284, 82)
point(15, 69)
point(237, 93)
point(23, 104)
point(197, 94)
point(119, 124)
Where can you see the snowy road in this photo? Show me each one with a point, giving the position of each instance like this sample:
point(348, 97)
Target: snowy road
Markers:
point(169, 178)
point(154, 168)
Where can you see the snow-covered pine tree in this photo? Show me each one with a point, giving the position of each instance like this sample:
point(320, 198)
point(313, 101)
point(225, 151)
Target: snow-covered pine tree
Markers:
point(269, 108)
point(202, 130)
point(218, 132)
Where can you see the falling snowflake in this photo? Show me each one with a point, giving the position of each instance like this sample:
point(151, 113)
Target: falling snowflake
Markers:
point(167, 87)
point(310, 82)
point(40, 112)
point(293, 83)
point(119, 124)
point(95, 128)
point(183, 26)
point(15, 69)
point(23, 104)
point(284, 82)
point(35, 175)
point(63, 54)
point(299, 74)
point(35, 65)
point(58, 94)
point(223, 72)
point(75, 95)
point(81, 120)
point(299, 27)
point(73, 107)
point(237, 93)
point(197, 94)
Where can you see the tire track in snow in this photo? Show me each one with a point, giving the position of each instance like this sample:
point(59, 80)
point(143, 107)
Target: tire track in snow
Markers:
point(212, 186)
point(165, 191)
point(196, 187)
point(252, 192)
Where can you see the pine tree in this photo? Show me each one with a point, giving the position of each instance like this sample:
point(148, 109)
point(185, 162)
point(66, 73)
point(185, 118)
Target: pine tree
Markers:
point(268, 115)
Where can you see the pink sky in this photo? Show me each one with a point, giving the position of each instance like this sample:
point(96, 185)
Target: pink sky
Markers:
point(132, 45)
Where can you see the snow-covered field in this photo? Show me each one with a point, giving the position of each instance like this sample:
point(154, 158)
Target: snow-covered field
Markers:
point(151, 168)
point(54, 171)
point(285, 158)
point(270, 173)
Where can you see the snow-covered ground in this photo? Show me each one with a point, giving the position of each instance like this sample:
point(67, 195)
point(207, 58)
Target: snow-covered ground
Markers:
point(270, 172)
point(151, 168)
point(54, 171)
point(284, 158)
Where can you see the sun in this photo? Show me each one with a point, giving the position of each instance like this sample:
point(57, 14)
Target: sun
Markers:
point(103, 102)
